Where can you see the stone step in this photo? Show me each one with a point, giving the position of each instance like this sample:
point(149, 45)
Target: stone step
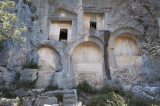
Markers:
point(70, 105)
point(52, 105)
point(69, 96)
point(50, 93)
point(69, 101)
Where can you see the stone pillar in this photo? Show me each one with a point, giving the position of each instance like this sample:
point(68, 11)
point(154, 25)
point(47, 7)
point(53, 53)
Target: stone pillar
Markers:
point(80, 17)
point(74, 29)
point(45, 24)
point(70, 71)
point(111, 58)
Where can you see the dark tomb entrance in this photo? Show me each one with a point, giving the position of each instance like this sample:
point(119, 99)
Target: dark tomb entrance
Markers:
point(63, 34)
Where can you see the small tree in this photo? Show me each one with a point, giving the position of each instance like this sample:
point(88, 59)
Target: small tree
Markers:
point(10, 26)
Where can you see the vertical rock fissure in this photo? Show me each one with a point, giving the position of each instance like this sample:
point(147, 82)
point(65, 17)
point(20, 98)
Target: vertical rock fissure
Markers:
point(106, 39)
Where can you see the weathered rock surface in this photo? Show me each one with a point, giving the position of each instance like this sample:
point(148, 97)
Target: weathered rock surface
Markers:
point(3, 69)
point(29, 74)
point(21, 93)
point(43, 100)
point(9, 76)
point(133, 49)
point(7, 102)
point(44, 79)
point(39, 97)
point(146, 92)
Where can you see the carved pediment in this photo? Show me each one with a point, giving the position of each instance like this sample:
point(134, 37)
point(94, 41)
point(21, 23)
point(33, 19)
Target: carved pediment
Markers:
point(63, 14)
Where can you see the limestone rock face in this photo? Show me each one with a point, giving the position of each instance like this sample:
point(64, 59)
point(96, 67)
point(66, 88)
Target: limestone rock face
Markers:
point(29, 75)
point(146, 92)
point(66, 38)
point(3, 69)
point(21, 93)
point(9, 76)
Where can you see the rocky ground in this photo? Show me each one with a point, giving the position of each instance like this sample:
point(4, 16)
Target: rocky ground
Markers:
point(20, 89)
point(40, 97)
point(18, 94)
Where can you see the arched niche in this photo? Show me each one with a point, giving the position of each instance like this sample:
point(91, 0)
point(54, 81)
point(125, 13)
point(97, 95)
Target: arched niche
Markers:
point(127, 51)
point(49, 59)
point(88, 63)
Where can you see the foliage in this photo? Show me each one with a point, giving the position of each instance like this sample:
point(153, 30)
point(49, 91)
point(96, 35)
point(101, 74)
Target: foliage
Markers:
point(3, 82)
point(110, 96)
point(6, 92)
point(51, 88)
point(1, 46)
point(107, 89)
point(85, 88)
point(31, 65)
point(17, 76)
point(59, 96)
point(1, 94)
point(10, 26)
point(19, 101)
point(108, 99)
point(143, 102)
point(25, 84)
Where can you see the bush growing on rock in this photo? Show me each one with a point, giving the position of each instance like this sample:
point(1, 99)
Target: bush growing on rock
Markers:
point(6, 92)
point(25, 85)
point(31, 65)
point(110, 98)
point(17, 76)
point(107, 96)
point(85, 88)
point(59, 96)
point(19, 101)
point(51, 88)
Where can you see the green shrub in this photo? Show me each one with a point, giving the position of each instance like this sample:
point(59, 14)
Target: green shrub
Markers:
point(107, 89)
point(17, 76)
point(2, 82)
point(143, 102)
point(85, 88)
point(1, 46)
point(119, 91)
point(6, 92)
point(59, 96)
point(25, 84)
point(31, 65)
point(51, 88)
point(19, 101)
point(111, 96)
point(109, 99)
point(1, 94)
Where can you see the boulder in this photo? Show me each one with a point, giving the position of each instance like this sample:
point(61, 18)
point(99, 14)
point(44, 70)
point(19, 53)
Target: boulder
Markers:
point(3, 69)
point(146, 92)
point(9, 76)
point(27, 103)
point(44, 100)
point(7, 102)
point(52, 105)
point(44, 79)
point(64, 82)
point(29, 75)
point(37, 90)
point(21, 93)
